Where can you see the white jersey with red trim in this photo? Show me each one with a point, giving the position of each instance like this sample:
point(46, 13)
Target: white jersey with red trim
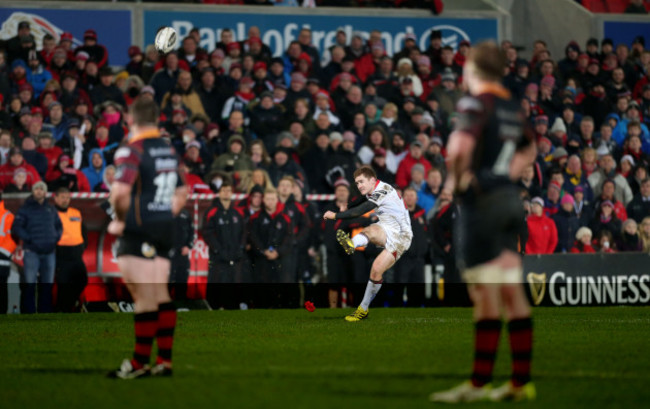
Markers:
point(393, 217)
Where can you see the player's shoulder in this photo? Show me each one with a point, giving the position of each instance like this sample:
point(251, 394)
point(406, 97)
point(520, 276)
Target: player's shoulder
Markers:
point(470, 103)
point(127, 154)
point(382, 191)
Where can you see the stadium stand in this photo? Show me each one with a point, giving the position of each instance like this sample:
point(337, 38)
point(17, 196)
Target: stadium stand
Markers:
point(63, 109)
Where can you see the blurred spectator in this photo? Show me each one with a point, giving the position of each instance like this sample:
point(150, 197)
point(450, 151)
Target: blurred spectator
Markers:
point(542, 233)
point(315, 160)
point(165, 78)
point(7, 248)
point(409, 269)
point(607, 194)
point(270, 235)
point(639, 207)
point(180, 254)
point(566, 223)
point(343, 161)
point(39, 227)
point(236, 159)
point(33, 157)
point(95, 170)
point(431, 190)
point(607, 170)
point(65, 175)
point(299, 227)
point(37, 75)
point(605, 219)
point(282, 165)
point(189, 96)
point(16, 161)
point(636, 7)
point(629, 239)
point(105, 90)
point(71, 275)
point(96, 52)
point(605, 242)
point(644, 234)
point(583, 241)
point(403, 176)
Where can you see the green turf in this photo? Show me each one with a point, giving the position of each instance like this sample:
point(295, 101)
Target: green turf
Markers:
point(584, 357)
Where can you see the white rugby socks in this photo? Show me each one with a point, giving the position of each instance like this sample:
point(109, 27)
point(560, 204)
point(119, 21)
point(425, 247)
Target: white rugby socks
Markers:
point(372, 289)
point(360, 240)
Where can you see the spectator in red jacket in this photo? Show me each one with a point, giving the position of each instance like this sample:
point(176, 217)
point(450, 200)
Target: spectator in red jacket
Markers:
point(16, 161)
point(583, 241)
point(542, 233)
point(67, 176)
point(403, 176)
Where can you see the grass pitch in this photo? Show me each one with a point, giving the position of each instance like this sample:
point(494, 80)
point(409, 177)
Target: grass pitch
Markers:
point(583, 358)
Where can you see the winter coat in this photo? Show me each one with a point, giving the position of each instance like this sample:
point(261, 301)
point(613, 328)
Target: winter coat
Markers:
point(93, 175)
point(403, 176)
point(542, 235)
point(224, 231)
point(38, 225)
point(230, 162)
point(567, 225)
point(7, 174)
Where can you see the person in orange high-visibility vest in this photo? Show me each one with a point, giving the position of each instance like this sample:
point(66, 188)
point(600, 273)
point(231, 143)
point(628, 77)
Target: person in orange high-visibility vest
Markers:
point(7, 247)
point(70, 275)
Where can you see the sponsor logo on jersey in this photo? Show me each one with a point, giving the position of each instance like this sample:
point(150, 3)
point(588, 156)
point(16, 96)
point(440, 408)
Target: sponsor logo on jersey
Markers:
point(166, 165)
point(148, 250)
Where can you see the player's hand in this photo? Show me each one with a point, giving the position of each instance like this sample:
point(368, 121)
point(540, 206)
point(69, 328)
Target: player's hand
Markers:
point(343, 208)
point(185, 251)
point(116, 227)
point(272, 255)
point(329, 215)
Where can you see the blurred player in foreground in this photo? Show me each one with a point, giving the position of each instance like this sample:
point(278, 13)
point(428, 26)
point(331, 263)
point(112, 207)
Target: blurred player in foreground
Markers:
point(147, 193)
point(486, 153)
point(392, 232)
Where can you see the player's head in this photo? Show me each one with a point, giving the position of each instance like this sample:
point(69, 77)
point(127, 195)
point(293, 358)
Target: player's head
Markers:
point(270, 200)
point(144, 113)
point(486, 63)
point(365, 178)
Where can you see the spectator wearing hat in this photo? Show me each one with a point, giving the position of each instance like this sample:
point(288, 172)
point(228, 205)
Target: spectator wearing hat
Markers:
point(14, 45)
point(569, 63)
point(639, 207)
point(16, 161)
point(103, 140)
point(136, 59)
point(607, 170)
point(96, 51)
point(410, 45)
point(583, 207)
point(166, 78)
point(33, 157)
point(241, 98)
point(236, 159)
point(427, 77)
point(605, 219)
point(415, 155)
point(462, 52)
point(406, 72)
point(19, 81)
point(369, 62)
point(519, 76)
point(583, 241)
point(566, 223)
point(106, 90)
point(558, 133)
point(65, 175)
point(447, 93)
point(343, 161)
point(542, 233)
point(38, 225)
point(447, 63)
point(547, 100)
point(260, 76)
point(283, 165)
point(175, 104)
point(71, 92)
point(37, 75)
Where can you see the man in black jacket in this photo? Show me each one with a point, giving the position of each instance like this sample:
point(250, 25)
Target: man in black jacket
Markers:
point(409, 270)
point(38, 225)
point(224, 231)
point(180, 260)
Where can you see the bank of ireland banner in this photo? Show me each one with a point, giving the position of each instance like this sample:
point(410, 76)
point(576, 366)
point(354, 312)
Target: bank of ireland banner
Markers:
point(113, 27)
point(279, 30)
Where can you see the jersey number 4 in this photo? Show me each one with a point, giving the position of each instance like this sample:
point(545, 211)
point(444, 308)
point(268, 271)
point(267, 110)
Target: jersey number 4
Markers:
point(165, 187)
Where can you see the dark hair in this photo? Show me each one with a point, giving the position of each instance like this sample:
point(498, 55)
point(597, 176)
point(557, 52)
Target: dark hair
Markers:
point(144, 112)
point(489, 60)
point(409, 188)
point(61, 190)
point(366, 171)
point(225, 183)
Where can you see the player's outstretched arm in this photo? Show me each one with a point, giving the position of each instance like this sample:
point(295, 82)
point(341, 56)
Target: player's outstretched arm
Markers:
point(356, 211)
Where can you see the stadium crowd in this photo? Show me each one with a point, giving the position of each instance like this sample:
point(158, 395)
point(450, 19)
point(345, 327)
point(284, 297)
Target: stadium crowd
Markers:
point(280, 127)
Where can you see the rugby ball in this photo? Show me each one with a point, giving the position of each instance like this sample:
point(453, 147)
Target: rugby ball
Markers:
point(165, 40)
